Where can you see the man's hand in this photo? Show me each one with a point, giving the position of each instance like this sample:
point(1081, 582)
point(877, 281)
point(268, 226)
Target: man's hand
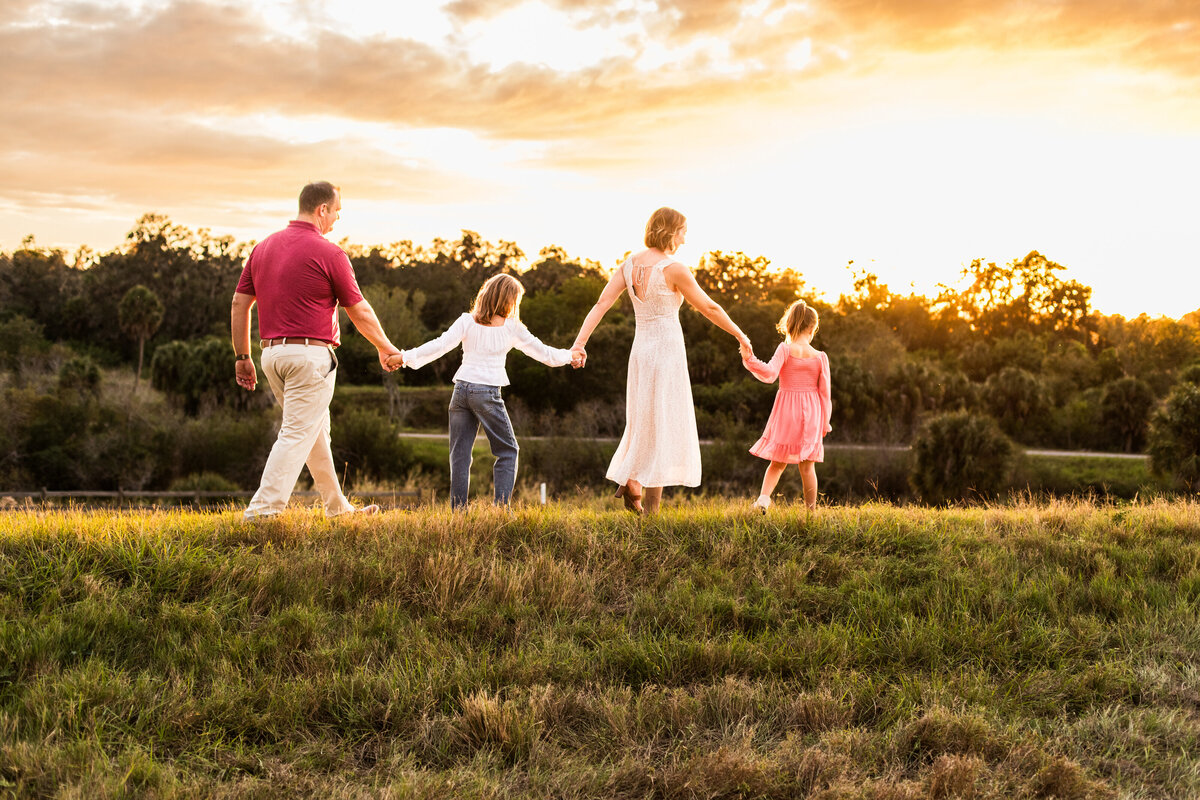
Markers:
point(578, 357)
point(245, 373)
point(390, 360)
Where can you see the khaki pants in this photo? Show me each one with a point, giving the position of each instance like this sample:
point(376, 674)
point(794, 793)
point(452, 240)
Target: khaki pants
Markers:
point(301, 377)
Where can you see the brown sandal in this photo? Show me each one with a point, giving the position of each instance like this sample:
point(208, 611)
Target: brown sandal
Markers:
point(633, 502)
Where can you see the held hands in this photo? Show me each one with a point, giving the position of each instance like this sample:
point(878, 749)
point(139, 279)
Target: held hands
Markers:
point(578, 357)
point(745, 347)
point(391, 360)
point(245, 374)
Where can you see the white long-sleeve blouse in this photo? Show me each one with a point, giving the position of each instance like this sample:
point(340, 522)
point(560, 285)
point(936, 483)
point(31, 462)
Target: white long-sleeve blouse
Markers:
point(485, 348)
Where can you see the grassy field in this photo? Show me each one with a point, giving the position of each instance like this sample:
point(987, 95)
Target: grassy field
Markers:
point(576, 652)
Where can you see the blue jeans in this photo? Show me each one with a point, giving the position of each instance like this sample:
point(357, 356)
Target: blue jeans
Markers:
point(471, 405)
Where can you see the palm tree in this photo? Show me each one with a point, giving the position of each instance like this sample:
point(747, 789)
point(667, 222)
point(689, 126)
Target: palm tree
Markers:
point(140, 313)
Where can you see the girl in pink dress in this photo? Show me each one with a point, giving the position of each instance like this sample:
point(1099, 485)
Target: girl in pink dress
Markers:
point(800, 417)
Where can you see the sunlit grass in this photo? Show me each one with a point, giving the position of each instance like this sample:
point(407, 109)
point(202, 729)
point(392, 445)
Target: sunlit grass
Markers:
point(575, 651)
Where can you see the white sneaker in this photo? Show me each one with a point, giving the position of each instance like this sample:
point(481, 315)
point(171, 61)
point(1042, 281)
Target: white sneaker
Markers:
point(762, 504)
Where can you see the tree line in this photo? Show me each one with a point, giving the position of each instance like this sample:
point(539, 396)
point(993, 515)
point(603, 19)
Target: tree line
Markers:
point(1018, 341)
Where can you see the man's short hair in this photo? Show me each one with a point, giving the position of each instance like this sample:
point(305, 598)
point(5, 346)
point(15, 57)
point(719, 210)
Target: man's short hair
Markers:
point(314, 195)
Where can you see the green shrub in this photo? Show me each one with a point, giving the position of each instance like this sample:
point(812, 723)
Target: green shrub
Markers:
point(366, 447)
point(416, 406)
point(565, 464)
point(1017, 400)
point(197, 376)
point(80, 376)
point(234, 446)
point(960, 456)
point(854, 475)
point(1175, 436)
point(203, 482)
point(745, 401)
point(728, 467)
point(1125, 408)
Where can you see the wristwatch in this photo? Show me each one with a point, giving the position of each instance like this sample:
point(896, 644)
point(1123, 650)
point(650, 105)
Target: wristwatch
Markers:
point(241, 356)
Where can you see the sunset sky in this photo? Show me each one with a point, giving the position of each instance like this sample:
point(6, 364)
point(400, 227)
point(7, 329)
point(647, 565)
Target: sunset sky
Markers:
point(909, 136)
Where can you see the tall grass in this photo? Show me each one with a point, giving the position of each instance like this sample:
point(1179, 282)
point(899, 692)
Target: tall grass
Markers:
point(868, 652)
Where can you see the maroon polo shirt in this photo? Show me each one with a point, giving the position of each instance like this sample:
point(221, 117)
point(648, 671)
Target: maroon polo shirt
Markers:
point(299, 277)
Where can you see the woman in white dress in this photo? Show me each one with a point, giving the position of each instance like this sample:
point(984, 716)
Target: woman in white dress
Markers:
point(660, 446)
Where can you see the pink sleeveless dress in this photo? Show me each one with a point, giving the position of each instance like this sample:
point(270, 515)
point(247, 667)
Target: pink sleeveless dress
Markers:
point(800, 417)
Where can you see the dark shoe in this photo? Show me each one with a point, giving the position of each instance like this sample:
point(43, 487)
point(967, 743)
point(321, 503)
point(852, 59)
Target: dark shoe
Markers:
point(633, 502)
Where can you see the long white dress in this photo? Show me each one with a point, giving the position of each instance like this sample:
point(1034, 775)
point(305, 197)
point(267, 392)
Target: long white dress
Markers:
point(660, 446)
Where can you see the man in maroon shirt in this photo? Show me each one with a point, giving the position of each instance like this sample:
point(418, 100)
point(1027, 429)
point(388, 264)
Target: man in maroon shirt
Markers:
point(299, 279)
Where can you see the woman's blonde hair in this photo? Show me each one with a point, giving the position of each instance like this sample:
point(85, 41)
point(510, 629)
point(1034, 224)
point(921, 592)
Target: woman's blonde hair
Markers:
point(798, 318)
point(662, 227)
point(500, 296)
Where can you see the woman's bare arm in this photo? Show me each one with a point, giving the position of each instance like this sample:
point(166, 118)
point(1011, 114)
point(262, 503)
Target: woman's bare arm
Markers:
point(612, 291)
point(682, 279)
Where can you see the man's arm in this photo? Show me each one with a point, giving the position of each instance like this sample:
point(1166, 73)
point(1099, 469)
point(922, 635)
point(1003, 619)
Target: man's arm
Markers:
point(364, 319)
point(239, 324)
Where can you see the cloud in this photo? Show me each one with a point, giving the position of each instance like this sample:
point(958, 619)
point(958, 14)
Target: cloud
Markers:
point(195, 57)
point(150, 159)
point(106, 100)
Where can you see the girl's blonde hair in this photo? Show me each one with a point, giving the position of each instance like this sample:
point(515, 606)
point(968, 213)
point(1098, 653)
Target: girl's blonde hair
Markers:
point(798, 318)
point(662, 227)
point(500, 296)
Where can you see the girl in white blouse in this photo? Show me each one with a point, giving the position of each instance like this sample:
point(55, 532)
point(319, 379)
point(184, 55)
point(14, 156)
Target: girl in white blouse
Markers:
point(486, 333)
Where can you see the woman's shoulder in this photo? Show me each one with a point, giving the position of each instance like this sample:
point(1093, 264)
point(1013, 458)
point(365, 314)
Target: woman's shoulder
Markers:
point(651, 258)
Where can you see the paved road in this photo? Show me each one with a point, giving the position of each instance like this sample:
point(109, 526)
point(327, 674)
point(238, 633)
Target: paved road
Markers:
point(833, 446)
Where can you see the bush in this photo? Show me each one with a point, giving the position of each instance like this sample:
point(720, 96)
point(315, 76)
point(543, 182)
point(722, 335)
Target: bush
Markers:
point(366, 447)
point(746, 401)
point(81, 376)
point(416, 406)
point(1175, 436)
point(234, 446)
point(728, 467)
point(197, 376)
point(858, 475)
point(959, 456)
point(1017, 399)
point(1125, 408)
point(566, 464)
point(203, 482)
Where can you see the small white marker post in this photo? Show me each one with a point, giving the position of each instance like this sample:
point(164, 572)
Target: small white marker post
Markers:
point(543, 491)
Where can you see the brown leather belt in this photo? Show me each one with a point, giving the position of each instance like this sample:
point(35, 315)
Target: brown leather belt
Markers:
point(294, 340)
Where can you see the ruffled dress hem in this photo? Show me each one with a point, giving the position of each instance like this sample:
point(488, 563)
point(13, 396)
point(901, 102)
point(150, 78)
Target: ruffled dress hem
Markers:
point(788, 453)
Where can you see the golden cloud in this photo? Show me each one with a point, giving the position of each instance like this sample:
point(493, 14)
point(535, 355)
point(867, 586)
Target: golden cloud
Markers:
point(103, 95)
